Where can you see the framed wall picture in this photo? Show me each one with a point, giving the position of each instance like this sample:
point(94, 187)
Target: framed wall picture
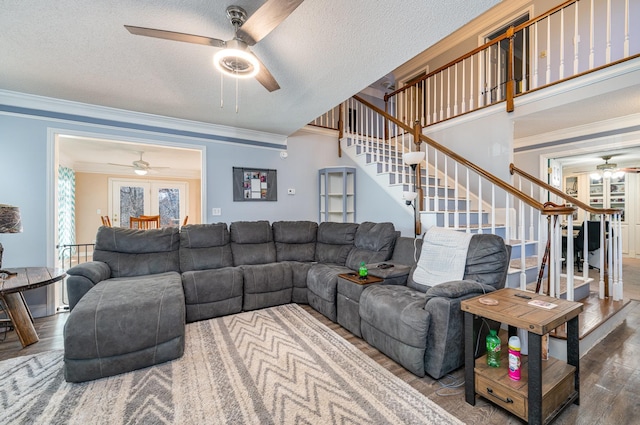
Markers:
point(254, 184)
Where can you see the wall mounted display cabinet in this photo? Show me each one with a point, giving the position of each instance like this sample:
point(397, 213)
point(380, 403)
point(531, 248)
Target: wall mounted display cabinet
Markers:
point(337, 189)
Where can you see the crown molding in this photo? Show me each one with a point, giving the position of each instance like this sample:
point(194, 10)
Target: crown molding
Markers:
point(51, 108)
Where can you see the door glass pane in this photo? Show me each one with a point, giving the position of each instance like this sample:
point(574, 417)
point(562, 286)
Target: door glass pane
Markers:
point(169, 207)
point(131, 203)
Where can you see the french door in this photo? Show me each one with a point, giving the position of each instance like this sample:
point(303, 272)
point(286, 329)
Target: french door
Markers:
point(133, 198)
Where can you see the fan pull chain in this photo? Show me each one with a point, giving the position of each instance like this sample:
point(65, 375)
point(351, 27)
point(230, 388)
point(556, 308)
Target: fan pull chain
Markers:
point(237, 93)
point(221, 92)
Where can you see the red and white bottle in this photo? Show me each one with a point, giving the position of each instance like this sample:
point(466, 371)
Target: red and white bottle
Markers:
point(514, 358)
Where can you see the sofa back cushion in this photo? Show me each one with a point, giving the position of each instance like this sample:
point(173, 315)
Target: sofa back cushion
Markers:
point(295, 240)
point(335, 241)
point(373, 243)
point(133, 252)
point(487, 262)
point(205, 246)
point(252, 243)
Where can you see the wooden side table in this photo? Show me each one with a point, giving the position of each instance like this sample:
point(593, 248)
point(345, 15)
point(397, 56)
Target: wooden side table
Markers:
point(11, 287)
point(533, 398)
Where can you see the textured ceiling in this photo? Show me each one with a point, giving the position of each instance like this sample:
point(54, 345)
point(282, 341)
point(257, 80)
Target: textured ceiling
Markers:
point(323, 53)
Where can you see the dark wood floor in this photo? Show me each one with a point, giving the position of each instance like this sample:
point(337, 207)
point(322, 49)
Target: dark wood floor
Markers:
point(610, 372)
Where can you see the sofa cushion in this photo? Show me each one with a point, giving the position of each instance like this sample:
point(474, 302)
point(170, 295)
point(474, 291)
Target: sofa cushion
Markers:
point(295, 240)
point(252, 243)
point(132, 252)
point(322, 287)
point(373, 243)
point(394, 320)
point(212, 293)
point(487, 262)
point(334, 242)
point(205, 246)
point(266, 285)
point(123, 324)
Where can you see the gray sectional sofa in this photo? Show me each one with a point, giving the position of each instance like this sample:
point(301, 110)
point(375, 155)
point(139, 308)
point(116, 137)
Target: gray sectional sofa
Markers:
point(129, 306)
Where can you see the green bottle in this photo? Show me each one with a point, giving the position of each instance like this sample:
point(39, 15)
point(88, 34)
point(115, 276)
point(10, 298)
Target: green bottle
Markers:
point(362, 271)
point(493, 349)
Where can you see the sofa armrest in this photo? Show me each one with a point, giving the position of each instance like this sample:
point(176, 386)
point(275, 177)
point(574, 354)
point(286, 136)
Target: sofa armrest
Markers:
point(95, 271)
point(459, 288)
point(83, 277)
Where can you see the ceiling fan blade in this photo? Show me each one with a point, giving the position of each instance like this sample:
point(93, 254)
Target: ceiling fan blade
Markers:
point(121, 165)
point(175, 36)
point(265, 78)
point(265, 19)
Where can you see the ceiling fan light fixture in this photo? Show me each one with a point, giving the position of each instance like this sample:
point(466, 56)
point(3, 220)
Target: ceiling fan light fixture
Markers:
point(235, 61)
point(140, 171)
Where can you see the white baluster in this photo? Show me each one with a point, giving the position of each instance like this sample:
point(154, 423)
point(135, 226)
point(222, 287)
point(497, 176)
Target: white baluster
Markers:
point(569, 259)
point(608, 50)
point(480, 205)
point(576, 39)
point(592, 51)
point(561, 67)
point(626, 32)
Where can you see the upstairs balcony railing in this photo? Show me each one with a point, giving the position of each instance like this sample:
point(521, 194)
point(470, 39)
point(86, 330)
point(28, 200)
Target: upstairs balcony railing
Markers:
point(570, 40)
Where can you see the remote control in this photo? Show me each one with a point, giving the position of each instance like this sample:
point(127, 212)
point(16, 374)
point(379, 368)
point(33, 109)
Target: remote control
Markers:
point(526, 297)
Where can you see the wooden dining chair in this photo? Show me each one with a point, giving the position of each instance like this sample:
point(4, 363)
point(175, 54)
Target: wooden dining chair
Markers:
point(105, 220)
point(145, 222)
point(186, 219)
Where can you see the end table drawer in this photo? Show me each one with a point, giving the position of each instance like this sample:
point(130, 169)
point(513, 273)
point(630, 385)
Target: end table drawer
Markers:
point(502, 396)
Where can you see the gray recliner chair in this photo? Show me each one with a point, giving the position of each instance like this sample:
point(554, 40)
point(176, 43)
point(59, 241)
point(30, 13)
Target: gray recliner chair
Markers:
point(422, 328)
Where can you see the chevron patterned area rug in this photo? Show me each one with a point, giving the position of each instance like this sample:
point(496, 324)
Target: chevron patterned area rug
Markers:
point(271, 366)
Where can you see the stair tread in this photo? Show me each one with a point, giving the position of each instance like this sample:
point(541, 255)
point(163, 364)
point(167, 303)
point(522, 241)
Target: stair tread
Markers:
point(529, 263)
point(578, 282)
point(518, 241)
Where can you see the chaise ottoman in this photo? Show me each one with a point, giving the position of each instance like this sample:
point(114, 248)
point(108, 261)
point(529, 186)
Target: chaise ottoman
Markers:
point(124, 324)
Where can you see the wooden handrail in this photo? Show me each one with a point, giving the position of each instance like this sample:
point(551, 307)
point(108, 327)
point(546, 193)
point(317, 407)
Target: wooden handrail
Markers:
point(508, 34)
point(515, 170)
point(548, 210)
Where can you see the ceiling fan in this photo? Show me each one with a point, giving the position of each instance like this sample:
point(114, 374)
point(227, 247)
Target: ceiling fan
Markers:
point(235, 58)
point(609, 169)
point(140, 167)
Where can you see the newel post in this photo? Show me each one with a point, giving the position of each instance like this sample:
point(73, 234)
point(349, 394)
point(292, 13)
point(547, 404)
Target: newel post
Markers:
point(340, 128)
point(510, 87)
point(417, 131)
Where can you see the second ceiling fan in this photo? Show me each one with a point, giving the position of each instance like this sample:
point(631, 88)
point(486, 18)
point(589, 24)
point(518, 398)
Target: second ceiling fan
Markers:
point(235, 58)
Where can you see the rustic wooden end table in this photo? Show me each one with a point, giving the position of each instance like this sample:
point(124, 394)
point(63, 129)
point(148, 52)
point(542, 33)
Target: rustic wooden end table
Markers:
point(533, 398)
point(11, 288)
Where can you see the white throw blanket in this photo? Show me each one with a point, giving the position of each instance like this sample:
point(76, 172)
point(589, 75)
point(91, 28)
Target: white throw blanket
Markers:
point(443, 256)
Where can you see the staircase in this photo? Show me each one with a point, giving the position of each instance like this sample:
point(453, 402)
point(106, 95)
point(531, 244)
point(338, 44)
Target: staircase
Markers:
point(444, 207)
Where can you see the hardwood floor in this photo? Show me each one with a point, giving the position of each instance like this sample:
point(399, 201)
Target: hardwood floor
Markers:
point(610, 372)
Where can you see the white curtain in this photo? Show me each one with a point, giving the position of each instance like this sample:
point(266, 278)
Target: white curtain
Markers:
point(66, 208)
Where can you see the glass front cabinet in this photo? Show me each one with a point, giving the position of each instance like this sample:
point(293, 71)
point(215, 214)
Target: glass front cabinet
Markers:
point(608, 192)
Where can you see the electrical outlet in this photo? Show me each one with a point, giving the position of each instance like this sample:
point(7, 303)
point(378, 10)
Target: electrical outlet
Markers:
point(291, 191)
point(216, 211)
